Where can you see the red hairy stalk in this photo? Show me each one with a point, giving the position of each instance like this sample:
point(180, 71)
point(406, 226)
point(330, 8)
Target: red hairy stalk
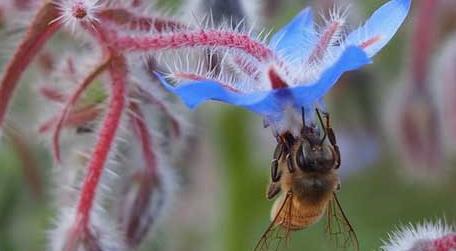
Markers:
point(73, 119)
point(109, 127)
point(41, 29)
point(418, 118)
point(70, 103)
point(144, 137)
point(422, 40)
point(446, 243)
point(133, 21)
point(138, 220)
point(174, 122)
point(200, 38)
point(325, 40)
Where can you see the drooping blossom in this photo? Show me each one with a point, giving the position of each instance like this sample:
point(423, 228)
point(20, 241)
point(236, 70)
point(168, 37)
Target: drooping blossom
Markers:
point(294, 70)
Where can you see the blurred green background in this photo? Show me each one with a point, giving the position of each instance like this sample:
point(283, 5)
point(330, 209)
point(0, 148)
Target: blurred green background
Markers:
point(221, 202)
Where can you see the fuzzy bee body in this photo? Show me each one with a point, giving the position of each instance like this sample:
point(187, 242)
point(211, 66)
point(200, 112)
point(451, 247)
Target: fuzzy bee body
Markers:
point(304, 185)
point(307, 193)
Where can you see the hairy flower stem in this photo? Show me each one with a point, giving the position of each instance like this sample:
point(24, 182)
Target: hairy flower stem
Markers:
point(422, 41)
point(131, 21)
point(41, 29)
point(72, 100)
point(200, 38)
point(145, 139)
point(138, 220)
point(109, 127)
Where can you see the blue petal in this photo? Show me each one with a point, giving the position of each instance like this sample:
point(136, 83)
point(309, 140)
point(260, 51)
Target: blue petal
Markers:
point(296, 39)
point(383, 24)
point(352, 58)
point(193, 93)
point(272, 103)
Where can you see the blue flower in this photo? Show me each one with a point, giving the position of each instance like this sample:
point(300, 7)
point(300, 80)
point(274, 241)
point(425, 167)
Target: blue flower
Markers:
point(305, 65)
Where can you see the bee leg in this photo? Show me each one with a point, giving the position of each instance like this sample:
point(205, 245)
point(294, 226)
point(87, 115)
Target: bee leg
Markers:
point(332, 139)
point(275, 172)
point(290, 164)
point(273, 190)
point(322, 126)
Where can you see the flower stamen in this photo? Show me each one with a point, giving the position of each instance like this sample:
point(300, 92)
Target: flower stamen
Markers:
point(329, 35)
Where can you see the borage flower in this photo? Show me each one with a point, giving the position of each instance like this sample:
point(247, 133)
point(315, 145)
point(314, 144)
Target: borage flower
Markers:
point(294, 70)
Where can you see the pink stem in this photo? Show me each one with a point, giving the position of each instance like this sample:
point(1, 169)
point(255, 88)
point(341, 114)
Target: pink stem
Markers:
point(133, 21)
point(202, 38)
point(138, 223)
point(174, 122)
point(145, 139)
point(105, 141)
point(422, 40)
point(38, 33)
point(70, 103)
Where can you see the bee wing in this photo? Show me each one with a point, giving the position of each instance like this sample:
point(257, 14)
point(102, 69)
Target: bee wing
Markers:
point(338, 226)
point(276, 234)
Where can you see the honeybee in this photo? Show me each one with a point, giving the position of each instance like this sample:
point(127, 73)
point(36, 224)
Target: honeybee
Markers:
point(305, 181)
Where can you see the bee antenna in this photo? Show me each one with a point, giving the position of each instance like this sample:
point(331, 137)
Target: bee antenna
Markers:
point(322, 125)
point(303, 116)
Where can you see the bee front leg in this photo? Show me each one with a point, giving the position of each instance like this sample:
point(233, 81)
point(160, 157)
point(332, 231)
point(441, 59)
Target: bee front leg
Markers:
point(275, 172)
point(273, 190)
point(290, 164)
point(332, 139)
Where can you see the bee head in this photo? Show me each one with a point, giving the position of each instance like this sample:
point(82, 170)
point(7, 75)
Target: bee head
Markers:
point(315, 157)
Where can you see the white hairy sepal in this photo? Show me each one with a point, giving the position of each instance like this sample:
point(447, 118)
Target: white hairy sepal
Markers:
point(75, 12)
point(412, 238)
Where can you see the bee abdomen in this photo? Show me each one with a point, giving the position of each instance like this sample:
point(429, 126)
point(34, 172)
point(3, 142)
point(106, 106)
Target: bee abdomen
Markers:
point(299, 217)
